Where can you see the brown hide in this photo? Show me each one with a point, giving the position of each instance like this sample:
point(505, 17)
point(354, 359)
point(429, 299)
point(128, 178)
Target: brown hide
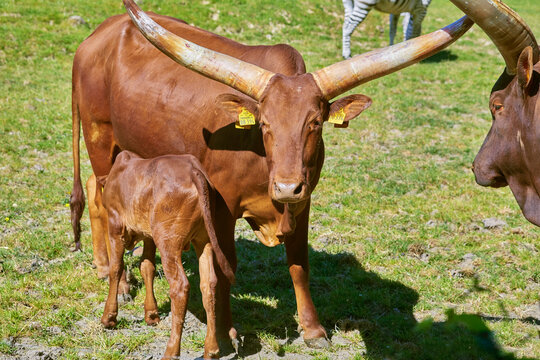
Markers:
point(167, 203)
point(510, 154)
point(133, 97)
point(130, 96)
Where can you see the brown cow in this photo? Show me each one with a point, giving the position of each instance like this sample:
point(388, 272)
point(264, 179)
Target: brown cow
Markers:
point(129, 95)
point(510, 153)
point(165, 202)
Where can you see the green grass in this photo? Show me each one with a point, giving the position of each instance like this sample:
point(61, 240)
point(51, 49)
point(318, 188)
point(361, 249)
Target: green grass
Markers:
point(395, 185)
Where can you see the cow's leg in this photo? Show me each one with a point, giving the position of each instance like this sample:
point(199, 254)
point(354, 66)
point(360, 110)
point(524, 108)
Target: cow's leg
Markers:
point(148, 272)
point(208, 290)
point(116, 268)
point(178, 291)
point(98, 224)
point(296, 246)
point(100, 235)
point(225, 223)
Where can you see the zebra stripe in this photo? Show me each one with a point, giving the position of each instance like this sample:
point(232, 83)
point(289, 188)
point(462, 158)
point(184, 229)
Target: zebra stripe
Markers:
point(357, 10)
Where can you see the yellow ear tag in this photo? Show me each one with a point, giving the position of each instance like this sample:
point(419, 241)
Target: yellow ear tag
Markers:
point(245, 119)
point(338, 117)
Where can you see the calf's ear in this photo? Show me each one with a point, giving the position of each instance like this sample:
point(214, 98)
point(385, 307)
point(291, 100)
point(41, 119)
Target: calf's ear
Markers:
point(525, 68)
point(347, 108)
point(243, 111)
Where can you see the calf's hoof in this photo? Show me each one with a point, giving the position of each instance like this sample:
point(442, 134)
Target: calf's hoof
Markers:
point(152, 318)
point(318, 343)
point(109, 320)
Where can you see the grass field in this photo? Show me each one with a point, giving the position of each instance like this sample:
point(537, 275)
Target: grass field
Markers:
point(402, 264)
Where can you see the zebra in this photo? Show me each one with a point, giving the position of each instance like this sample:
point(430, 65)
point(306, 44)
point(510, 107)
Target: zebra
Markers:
point(357, 10)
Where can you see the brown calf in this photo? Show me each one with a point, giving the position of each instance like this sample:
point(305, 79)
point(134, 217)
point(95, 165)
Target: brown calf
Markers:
point(165, 202)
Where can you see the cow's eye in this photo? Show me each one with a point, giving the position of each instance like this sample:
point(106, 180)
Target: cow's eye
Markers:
point(498, 107)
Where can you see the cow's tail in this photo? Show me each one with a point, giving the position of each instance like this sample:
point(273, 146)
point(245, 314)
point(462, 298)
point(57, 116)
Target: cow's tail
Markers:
point(207, 205)
point(76, 200)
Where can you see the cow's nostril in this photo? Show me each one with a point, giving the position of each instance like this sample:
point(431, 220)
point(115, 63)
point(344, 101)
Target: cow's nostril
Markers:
point(298, 189)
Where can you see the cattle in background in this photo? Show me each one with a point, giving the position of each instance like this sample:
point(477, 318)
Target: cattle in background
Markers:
point(165, 202)
point(510, 154)
point(251, 115)
point(414, 12)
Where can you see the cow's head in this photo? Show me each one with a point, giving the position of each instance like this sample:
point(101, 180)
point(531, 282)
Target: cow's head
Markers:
point(291, 113)
point(510, 154)
point(291, 110)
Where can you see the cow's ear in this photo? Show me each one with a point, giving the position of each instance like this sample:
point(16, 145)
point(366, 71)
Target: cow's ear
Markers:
point(525, 67)
point(243, 111)
point(347, 108)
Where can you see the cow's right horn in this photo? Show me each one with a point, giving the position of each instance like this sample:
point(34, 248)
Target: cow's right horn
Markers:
point(504, 26)
point(240, 75)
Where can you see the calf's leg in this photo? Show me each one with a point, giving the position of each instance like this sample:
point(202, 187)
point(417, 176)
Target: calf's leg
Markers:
point(100, 235)
point(179, 291)
point(148, 272)
point(116, 268)
point(208, 290)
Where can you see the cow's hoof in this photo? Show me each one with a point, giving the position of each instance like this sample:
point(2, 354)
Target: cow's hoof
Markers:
point(318, 343)
point(109, 321)
point(152, 318)
point(124, 298)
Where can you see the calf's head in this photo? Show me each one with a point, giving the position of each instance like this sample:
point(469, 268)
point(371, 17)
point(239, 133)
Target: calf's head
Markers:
point(510, 152)
point(291, 110)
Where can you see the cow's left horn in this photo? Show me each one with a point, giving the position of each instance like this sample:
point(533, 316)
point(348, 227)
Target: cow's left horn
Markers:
point(345, 75)
point(504, 26)
point(242, 76)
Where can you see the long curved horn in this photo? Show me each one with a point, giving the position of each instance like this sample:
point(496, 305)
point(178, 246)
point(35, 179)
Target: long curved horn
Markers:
point(345, 75)
point(242, 76)
point(504, 26)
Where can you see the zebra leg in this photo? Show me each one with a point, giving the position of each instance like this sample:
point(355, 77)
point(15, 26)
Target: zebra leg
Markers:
point(346, 40)
point(394, 18)
point(359, 12)
point(417, 24)
point(407, 26)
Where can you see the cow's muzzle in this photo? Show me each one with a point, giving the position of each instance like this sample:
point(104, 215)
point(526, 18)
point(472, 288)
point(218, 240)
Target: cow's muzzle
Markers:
point(488, 177)
point(286, 191)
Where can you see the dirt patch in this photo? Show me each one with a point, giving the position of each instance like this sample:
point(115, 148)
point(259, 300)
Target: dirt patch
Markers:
point(28, 348)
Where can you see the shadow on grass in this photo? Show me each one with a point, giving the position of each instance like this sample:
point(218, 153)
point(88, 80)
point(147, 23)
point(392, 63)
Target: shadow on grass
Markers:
point(347, 297)
point(441, 56)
